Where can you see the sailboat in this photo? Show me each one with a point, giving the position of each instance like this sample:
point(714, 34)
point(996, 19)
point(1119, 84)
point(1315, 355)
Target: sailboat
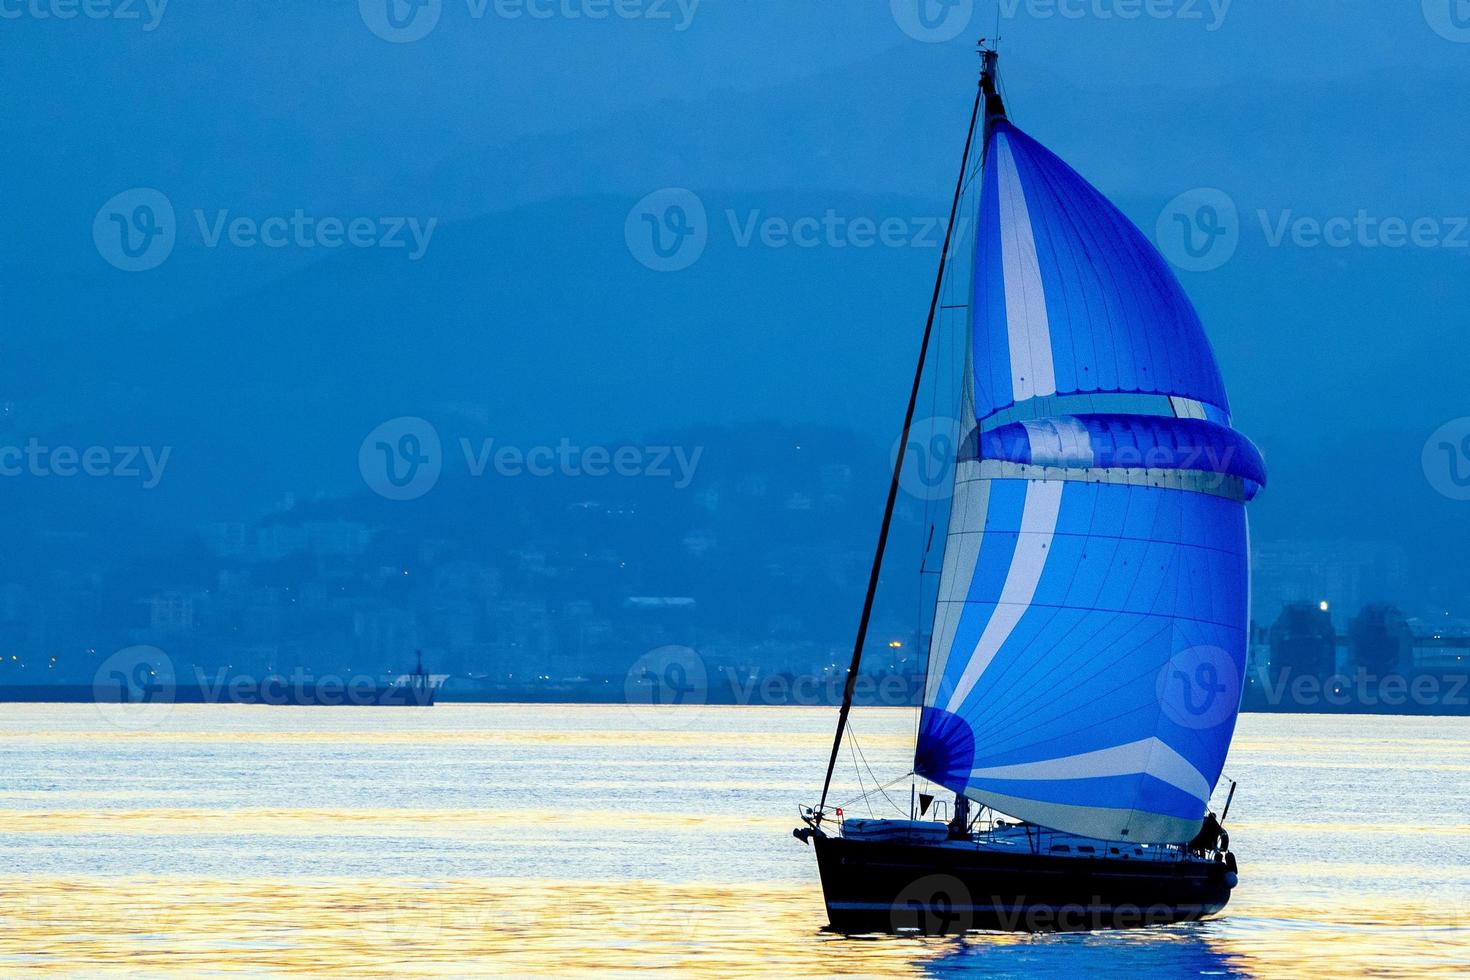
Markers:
point(1091, 619)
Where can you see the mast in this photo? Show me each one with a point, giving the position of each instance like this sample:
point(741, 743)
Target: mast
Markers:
point(990, 99)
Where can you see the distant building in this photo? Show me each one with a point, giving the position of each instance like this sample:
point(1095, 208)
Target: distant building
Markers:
point(1257, 659)
point(171, 612)
point(1347, 574)
point(226, 539)
point(1381, 641)
point(337, 539)
point(1304, 642)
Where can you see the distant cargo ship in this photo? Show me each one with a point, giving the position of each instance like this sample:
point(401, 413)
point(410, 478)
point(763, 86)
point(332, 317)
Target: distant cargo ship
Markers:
point(415, 690)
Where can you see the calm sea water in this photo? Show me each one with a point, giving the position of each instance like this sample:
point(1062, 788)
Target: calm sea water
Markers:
point(468, 840)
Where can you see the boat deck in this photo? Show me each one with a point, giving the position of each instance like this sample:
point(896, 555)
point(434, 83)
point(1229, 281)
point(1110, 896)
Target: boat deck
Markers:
point(1014, 838)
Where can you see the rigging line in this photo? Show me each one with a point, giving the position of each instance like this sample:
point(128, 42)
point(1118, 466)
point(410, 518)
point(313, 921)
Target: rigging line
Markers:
point(888, 785)
point(862, 790)
point(879, 788)
point(867, 614)
point(970, 181)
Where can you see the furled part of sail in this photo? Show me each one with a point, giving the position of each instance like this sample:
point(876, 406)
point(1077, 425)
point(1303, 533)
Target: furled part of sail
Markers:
point(1070, 297)
point(1126, 442)
point(1088, 654)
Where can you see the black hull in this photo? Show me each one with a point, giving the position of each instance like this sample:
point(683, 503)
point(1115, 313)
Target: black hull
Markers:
point(884, 886)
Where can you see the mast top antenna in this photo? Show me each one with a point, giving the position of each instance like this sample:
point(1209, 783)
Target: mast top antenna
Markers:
point(989, 78)
point(989, 56)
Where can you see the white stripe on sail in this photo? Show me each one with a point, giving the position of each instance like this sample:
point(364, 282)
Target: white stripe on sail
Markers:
point(961, 553)
point(1149, 756)
point(1027, 327)
point(1033, 544)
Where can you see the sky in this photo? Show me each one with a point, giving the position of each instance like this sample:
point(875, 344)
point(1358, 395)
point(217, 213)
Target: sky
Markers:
point(491, 157)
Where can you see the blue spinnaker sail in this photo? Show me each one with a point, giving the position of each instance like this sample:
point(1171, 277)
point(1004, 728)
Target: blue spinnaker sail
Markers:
point(1090, 635)
point(1070, 296)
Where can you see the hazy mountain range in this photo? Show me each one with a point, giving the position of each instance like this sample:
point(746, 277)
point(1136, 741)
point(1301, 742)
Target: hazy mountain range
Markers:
point(529, 319)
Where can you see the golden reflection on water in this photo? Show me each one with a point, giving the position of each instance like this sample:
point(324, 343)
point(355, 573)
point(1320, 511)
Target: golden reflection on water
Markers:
point(1353, 849)
point(420, 738)
point(364, 822)
point(362, 927)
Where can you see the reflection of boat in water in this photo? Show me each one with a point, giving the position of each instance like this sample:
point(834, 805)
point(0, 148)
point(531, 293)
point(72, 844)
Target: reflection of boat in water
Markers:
point(1090, 624)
